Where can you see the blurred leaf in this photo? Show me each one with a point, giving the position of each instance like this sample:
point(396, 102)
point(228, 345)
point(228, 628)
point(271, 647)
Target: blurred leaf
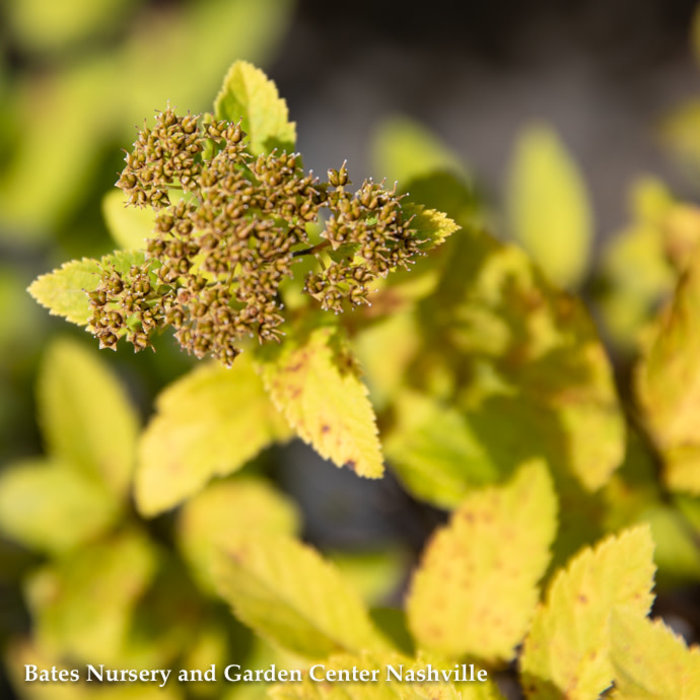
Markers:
point(522, 360)
point(650, 661)
point(689, 507)
point(73, 113)
point(679, 132)
point(404, 149)
point(315, 384)
point(548, 206)
point(64, 292)
point(86, 419)
point(22, 652)
point(51, 507)
point(224, 510)
point(435, 452)
point(634, 487)
point(634, 268)
point(383, 688)
point(667, 383)
point(566, 652)
point(20, 319)
point(208, 423)
point(200, 40)
point(129, 226)
point(43, 25)
point(287, 593)
point(385, 372)
point(677, 555)
point(476, 588)
point(250, 96)
point(100, 582)
point(51, 166)
point(375, 574)
point(681, 233)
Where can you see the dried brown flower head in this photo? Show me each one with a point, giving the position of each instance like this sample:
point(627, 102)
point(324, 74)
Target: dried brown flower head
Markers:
point(229, 229)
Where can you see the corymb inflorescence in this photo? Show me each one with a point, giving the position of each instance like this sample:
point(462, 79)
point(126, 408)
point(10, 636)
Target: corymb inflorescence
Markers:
point(229, 228)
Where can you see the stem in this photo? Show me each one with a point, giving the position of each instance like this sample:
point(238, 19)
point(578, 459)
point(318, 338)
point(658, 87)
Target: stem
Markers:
point(310, 251)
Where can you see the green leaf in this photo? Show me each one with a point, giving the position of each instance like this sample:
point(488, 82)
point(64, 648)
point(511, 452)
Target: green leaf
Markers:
point(435, 452)
point(129, 226)
point(566, 653)
point(476, 588)
point(64, 292)
point(404, 149)
point(315, 384)
point(668, 383)
point(522, 361)
point(650, 661)
point(330, 684)
point(223, 511)
point(288, 594)
point(208, 423)
point(52, 507)
point(100, 582)
point(86, 418)
point(548, 206)
point(249, 95)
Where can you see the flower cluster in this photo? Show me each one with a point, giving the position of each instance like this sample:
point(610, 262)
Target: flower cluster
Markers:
point(229, 228)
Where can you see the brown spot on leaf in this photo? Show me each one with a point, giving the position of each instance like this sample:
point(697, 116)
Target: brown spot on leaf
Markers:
point(351, 464)
point(325, 428)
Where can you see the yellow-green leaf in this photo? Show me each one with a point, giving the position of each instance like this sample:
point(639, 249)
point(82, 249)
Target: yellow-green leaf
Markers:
point(634, 267)
point(129, 226)
point(668, 383)
point(476, 588)
point(249, 95)
point(86, 418)
point(341, 678)
point(435, 452)
point(385, 372)
point(288, 594)
point(432, 227)
point(650, 661)
point(375, 573)
point(64, 292)
point(225, 510)
point(52, 507)
point(567, 651)
point(315, 384)
point(101, 582)
point(548, 206)
point(522, 360)
point(208, 423)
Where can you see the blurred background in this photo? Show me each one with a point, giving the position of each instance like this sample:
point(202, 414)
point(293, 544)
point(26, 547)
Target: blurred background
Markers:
point(617, 82)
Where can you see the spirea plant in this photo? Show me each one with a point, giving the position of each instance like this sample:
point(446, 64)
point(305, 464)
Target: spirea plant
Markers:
point(378, 327)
